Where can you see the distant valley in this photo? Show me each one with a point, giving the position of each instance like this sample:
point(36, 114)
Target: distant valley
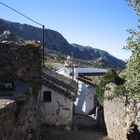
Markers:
point(57, 47)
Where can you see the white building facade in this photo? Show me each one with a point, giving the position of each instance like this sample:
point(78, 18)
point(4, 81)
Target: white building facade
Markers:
point(56, 99)
point(84, 103)
point(56, 109)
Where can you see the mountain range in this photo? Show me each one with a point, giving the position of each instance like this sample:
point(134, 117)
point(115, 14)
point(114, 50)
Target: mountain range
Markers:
point(55, 42)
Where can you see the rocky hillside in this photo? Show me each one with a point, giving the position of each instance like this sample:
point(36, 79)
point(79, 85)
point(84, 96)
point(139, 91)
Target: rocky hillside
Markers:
point(89, 53)
point(55, 41)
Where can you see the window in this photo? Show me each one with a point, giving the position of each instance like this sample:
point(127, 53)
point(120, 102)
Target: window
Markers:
point(47, 96)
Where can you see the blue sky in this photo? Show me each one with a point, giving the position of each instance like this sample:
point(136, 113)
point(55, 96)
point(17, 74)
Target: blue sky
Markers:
point(97, 23)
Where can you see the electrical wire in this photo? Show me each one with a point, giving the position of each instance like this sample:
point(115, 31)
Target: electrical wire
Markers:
point(43, 63)
point(21, 13)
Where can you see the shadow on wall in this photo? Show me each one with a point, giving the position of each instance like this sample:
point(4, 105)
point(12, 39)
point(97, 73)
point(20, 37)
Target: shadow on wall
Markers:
point(81, 97)
point(100, 119)
point(135, 134)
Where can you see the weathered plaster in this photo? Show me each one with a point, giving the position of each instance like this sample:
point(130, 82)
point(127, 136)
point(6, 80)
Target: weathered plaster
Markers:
point(57, 112)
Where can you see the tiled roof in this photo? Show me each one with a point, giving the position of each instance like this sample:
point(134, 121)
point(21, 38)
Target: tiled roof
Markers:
point(60, 83)
point(91, 79)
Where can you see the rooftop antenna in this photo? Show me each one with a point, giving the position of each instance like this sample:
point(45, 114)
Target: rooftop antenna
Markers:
point(43, 29)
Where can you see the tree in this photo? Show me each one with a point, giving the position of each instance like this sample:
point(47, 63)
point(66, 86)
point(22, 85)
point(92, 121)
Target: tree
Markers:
point(132, 71)
point(110, 76)
point(135, 4)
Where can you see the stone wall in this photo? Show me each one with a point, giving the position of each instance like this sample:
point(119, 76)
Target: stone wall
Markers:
point(7, 117)
point(20, 61)
point(121, 115)
point(19, 117)
point(27, 121)
point(18, 121)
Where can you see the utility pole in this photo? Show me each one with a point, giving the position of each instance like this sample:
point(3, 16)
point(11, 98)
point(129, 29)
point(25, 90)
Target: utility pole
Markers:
point(43, 47)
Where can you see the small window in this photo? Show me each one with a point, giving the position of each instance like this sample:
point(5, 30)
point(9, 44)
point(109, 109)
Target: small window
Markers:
point(47, 96)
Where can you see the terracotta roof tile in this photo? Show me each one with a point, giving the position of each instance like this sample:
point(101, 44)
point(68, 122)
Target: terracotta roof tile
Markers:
point(60, 83)
point(91, 79)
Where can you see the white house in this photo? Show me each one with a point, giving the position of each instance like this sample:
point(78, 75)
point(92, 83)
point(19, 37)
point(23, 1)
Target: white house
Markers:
point(87, 79)
point(5, 35)
point(57, 98)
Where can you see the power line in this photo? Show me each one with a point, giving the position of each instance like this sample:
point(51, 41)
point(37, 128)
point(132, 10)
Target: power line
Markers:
point(20, 13)
point(43, 28)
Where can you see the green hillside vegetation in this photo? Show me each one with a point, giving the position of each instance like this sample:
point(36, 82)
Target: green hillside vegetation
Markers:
point(53, 56)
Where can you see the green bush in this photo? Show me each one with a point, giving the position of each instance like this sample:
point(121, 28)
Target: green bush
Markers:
point(110, 76)
point(132, 72)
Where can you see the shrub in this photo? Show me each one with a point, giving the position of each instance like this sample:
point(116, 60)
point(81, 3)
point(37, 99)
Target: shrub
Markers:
point(132, 71)
point(110, 76)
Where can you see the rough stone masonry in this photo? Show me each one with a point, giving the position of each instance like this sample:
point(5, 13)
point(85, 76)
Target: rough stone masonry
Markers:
point(19, 61)
point(122, 116)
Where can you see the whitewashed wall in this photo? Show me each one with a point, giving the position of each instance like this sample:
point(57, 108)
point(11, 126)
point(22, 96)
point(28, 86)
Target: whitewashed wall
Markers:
point(88, 70)
point(57, 112)
point(89, 101)
point(85, 99)
point(66, 71)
